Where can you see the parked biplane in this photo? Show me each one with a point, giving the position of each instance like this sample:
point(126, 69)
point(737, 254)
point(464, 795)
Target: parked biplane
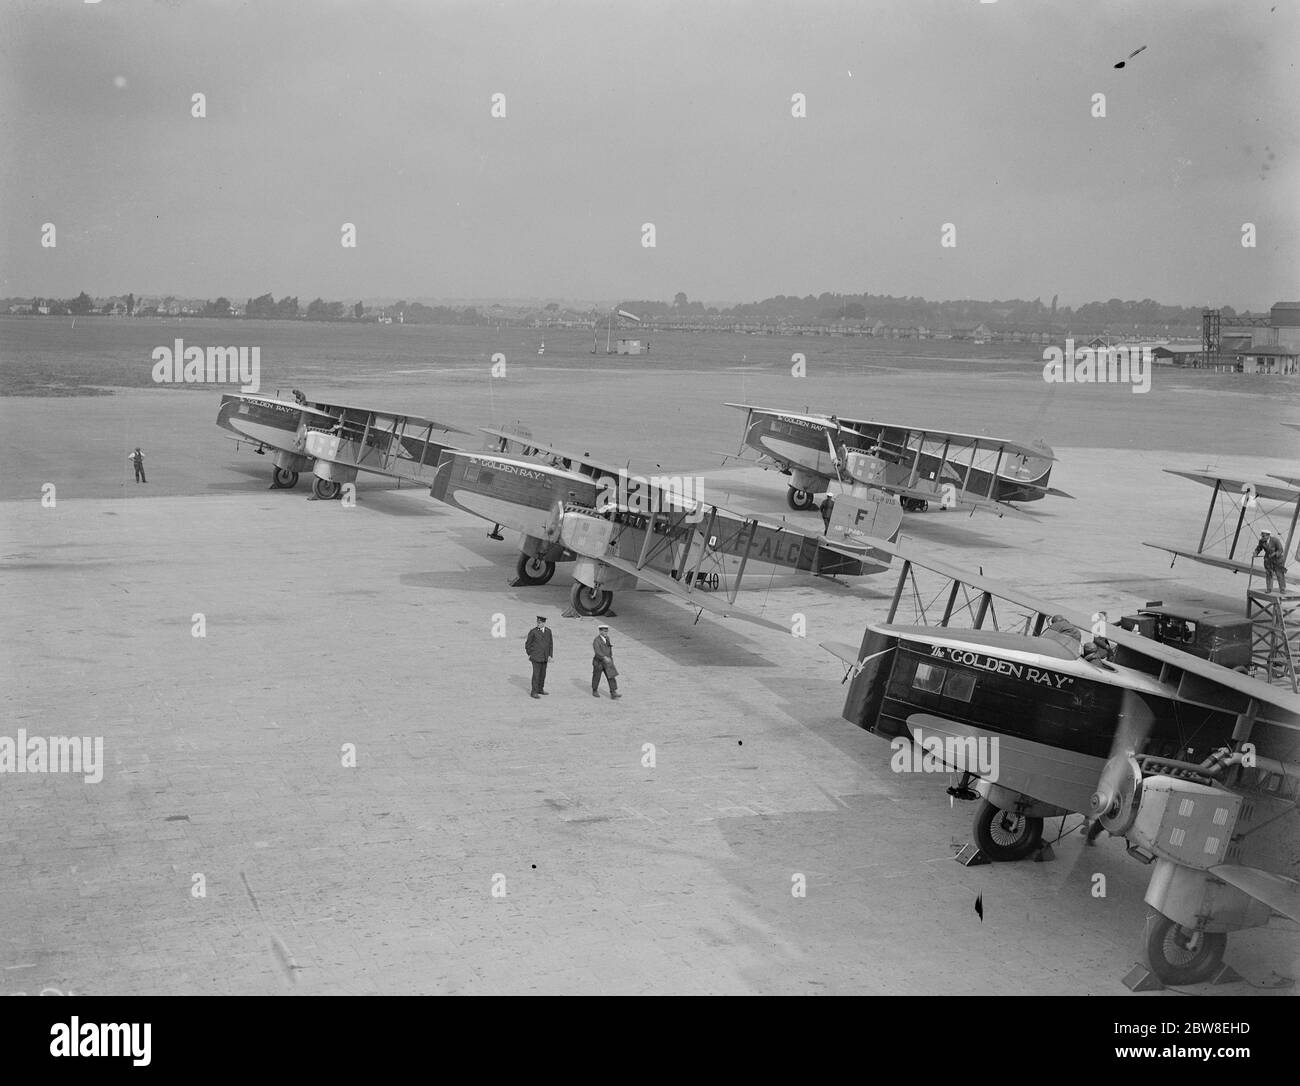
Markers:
point(1246, 508)
point(1195, 764)
point(920, 465)
point(299, 432)
point(400, 447)
point(620, 529)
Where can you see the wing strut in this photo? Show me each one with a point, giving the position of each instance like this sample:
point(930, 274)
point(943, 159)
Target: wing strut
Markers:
point(1205, 531)
point(752, 526)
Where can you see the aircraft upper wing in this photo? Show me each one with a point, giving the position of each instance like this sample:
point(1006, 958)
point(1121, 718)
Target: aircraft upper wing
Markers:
point(1239, 486)
point(1186, 677)
point(577, 459)
point(957, 440)
point(1276, 891)
point(694, 596)
point(541, 446)
point(865, 428)
point(413, 422)
point(815, 420)
point(1290, 480)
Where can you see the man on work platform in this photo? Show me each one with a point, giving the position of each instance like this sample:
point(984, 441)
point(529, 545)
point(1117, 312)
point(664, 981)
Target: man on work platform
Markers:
point(1274, 560)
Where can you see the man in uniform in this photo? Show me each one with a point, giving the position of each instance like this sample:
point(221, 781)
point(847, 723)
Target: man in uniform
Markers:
point(602, 662)
point(137, 462)
point(540, 648)
point(1274, 561)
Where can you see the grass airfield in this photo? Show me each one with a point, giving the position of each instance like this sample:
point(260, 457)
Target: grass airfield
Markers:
point(331, 629)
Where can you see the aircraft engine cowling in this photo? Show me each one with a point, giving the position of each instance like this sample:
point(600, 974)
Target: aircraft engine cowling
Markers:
point(1185, 822)
point(588, 536)
point(864, 469)
point(585, 534)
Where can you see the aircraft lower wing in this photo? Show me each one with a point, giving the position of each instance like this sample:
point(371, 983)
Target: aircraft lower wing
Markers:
point(1276, 891)
point(694, 596)
point(748, 461)
point(1234, 564)
point(842, 651)
point(962, 500)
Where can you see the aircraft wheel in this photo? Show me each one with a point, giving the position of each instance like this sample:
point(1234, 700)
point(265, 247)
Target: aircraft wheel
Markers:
point(533, 570)
point(1179, 956)
point(1004, 836)
point(283, 479)
point(590, 601)
point(326, 489)
point(800, 499)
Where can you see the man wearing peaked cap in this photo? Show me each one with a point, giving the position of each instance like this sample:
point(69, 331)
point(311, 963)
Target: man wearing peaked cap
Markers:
point(1274, 553)
point(540, 647)
point(602, 662)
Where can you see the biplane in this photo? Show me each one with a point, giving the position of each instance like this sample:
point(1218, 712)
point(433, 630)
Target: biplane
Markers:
point(299, 432)
point(400, 447)
point(1245, 507)
point(620, 530)
point(1196, 765)
point(919, 465)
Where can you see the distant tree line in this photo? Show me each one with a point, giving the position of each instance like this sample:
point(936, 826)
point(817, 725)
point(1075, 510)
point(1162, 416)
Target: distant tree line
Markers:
point(825, 308)
point(265, 307)
point(828, 308)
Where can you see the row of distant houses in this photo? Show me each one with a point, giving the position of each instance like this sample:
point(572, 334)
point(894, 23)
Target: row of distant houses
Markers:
point(968, 331)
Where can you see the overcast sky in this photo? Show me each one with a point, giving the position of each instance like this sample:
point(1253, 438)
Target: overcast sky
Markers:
point(919, 113)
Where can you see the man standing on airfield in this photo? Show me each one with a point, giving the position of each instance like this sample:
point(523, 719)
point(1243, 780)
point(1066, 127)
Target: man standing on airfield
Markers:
point(137, 462)
point(602, 663)
point(540, 647)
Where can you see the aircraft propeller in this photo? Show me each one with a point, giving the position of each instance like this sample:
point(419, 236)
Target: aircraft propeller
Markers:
point(1119, 789)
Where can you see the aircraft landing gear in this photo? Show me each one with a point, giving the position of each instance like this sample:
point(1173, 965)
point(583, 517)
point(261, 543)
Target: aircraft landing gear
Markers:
point(326, 489)
point(915, 505)
point(533, 570)
point(800, 499)
point(590, 602)
point(1004, 836)
point(283, 479)
point(1179, 956)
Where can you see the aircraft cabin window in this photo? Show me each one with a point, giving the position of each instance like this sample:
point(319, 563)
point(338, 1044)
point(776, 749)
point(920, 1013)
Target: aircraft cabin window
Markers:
point(471, 471)
point(928, 678)
point(960, 686)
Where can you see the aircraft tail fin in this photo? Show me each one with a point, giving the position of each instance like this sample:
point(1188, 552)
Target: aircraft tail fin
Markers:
point(875, 515)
